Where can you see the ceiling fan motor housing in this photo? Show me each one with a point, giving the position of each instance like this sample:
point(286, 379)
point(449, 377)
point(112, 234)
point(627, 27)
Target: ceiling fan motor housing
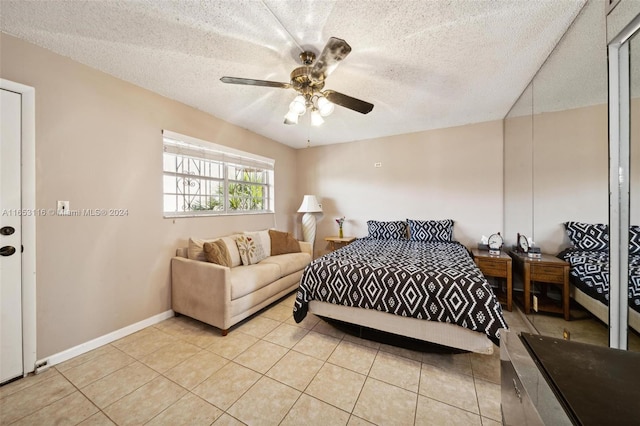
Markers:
point(302, 82)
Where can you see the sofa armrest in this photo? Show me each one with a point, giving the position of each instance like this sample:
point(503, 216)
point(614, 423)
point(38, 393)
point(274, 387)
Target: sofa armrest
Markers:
point(201, 290)
point(306, 247)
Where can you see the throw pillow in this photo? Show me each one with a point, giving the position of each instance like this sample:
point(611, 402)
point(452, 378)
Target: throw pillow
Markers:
point(430, 230)
point(634, 239)
point(587, 236)
point(283, 242)
point(195, 249)
point(263, 238)
point(216, 252)
point(250, 249)
point(393, 230)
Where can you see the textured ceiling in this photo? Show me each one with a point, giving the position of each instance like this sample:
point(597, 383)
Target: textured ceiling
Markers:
point(423, 64)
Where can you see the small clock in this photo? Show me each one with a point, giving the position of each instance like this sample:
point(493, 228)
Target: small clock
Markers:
point(495, 243)
point(523, 243)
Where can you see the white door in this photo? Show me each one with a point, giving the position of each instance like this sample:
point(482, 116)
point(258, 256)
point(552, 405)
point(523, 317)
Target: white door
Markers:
point(10, 237)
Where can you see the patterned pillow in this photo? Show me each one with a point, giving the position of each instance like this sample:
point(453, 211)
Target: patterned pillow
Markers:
point(634, 239)
point(394, 230)
point(430, 230)
point(250, 249)
point(587, 236)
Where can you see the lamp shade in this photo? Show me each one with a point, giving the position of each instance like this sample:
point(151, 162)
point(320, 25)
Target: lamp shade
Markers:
point(309, 205)
point(298, 105)
point(324, 106)
point(291, 118)
point(316, 118)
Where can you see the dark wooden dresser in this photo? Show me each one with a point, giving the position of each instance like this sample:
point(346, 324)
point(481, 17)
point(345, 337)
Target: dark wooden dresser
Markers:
point(549, 381)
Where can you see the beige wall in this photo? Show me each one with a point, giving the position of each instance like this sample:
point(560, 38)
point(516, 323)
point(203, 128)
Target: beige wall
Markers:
point(98, 145)
point(453, 173)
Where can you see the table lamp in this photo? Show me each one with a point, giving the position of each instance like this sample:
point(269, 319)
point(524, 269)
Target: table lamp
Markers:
point(309, 206)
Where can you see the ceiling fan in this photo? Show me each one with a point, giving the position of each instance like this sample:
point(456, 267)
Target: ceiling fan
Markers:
point(308, 80)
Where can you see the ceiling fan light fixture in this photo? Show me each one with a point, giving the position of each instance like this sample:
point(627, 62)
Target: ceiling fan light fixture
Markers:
point(299, 105)
point(291, 118)
point(308, 81)
point(325, 106)
point(316, 118)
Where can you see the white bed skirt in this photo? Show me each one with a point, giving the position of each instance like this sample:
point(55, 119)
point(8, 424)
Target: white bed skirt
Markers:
point(442, 333)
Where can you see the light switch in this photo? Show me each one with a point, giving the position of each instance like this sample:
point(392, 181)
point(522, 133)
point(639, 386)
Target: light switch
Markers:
point(63, 208)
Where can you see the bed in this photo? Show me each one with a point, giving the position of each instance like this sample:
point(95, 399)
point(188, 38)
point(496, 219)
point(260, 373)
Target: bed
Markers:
point(426, 287)
point(589, 269)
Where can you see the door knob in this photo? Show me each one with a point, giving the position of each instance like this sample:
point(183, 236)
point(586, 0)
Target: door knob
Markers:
point(7, 251)
point(7, 230)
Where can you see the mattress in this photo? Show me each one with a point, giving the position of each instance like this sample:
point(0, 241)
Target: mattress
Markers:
point(431, 281)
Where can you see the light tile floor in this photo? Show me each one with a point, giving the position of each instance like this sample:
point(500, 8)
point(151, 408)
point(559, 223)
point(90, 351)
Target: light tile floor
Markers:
point(268, 371)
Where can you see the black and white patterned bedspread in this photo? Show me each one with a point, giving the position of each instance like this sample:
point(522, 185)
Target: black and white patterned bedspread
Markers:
point(590, 273)
point(436, 281)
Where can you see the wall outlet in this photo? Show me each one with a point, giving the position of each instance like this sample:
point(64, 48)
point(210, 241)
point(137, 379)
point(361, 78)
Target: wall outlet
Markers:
point(535, 303)
point(63, 208)
point(378, 164)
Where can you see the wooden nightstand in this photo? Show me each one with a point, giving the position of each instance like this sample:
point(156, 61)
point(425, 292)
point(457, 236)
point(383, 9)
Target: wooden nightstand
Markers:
point(338, 242)
point(548, 269)
point(497, 266)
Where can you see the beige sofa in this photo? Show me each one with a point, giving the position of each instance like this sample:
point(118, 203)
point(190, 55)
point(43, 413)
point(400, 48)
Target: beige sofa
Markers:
point(223, 296)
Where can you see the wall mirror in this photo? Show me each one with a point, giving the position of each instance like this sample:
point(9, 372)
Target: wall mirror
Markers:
point(623, 30)
point(634, 190)
point(634, 170)
point(518, 130)
point(564, 141)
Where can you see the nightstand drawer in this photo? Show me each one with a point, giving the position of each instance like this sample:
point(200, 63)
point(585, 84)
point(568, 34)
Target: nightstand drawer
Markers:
point(493, 268)
point(547, 273)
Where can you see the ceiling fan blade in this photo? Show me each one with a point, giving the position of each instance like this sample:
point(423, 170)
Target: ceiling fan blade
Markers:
point(348, 102)
point(334, 52)
point(252, 82)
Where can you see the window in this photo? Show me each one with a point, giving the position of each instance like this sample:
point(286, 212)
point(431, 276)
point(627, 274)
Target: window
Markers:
point(203, 178)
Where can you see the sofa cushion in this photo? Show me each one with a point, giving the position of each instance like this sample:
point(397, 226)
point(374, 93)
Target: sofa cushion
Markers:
point(283, 242)
point(288, 263)
point(249, 278)
point(216, 252)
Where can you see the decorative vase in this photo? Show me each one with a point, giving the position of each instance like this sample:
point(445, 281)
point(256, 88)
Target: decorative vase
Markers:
point(340, 232)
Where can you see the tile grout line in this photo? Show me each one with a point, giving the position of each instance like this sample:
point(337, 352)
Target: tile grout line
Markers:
point(415, 414)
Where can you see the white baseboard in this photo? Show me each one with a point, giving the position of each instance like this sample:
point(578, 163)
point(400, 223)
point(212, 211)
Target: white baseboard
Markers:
point(100, 341)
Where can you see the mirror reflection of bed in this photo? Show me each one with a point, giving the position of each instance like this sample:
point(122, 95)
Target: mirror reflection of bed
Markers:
point(556, 162)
